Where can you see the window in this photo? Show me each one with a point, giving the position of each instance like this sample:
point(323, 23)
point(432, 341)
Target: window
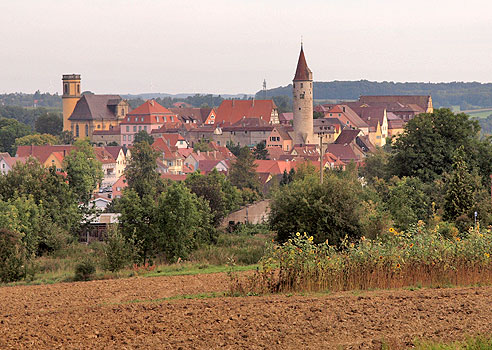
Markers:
point(86, 130)
point(136, 119)
point(124, 137)
point(145, 127)
point(77, 130)
point(129, 137)
point(139, 127)
point(127, 128)
point(65, 89)
point(164, 119)
point(135, 128)
point(172, 118)
point(141, 119)
point(301, 96)
point(302, 85)
point(128, 118)
point(294, 85)
point(78, 89)
point(99, 126)
point(157, 119)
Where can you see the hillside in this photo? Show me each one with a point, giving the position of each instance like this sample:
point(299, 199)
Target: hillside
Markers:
point(465, 95)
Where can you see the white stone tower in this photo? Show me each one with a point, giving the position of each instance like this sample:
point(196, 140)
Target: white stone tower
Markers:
point(303, 103)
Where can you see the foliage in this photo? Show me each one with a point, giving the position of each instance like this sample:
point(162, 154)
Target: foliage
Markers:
point(49, 123)
point(426, 147)
point(117, 251)
point(202, 145)
point(36, 140)
point(10, 130)
point(460, 190)
point(242, 173)
point(30, 185)
point(260, 151)
point(141, 136)
point(329, 210)
point(376, 166)
point(287, 178)
point(317, 115)
point(182, 221)
point(66, 138)
point(12, 256)
point(141, 172)
point(419, 256)
point(217, 190)
point(234, 148)
point(40, 99)
point(465, 95)
point(84, 171)
point(84, 270)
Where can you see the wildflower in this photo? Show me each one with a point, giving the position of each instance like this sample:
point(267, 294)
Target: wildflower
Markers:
point(352, 245)
point(392, 230)
point(326, 241)
point(487, 255)
point(458, 239)
point(411, 245)
point(363, 238)
point(310, 239)
point(298, 234)
point(398, 266)
point(380, 257)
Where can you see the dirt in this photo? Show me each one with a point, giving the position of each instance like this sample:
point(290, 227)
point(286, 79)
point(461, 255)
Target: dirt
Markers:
point(106, 315)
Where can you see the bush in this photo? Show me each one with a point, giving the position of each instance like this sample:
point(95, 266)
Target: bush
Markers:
point(117, 252)
point(84, 270)
point(12, 257)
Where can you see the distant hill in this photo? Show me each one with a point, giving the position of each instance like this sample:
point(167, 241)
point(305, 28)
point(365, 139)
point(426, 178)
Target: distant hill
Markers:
point(465, 95)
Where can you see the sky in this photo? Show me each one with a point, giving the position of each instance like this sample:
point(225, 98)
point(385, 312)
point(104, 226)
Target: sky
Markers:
point(231, 46)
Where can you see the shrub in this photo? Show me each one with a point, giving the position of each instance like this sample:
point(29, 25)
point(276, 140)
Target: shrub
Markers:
point(12, 256)
point(417, 257)
point(117, 252)
point(84, 270)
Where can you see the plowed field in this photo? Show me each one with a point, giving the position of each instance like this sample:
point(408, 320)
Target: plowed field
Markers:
point(124, 314)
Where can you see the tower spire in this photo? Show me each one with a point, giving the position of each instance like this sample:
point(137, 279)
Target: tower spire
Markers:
point(302, 72)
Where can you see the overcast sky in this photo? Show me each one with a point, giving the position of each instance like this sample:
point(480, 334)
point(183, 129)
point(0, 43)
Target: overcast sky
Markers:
point(230, 46)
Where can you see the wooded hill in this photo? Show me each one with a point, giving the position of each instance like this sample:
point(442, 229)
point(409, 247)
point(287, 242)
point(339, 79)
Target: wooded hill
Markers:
point(465, 95)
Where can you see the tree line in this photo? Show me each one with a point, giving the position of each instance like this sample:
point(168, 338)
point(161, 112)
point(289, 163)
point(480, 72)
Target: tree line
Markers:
point(466, 95)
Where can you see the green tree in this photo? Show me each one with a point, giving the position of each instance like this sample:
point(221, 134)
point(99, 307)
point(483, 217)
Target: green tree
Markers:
point(202, 145)
point(183, 222)
point(36, 140)
point(66, 138)
point(49, 123)
point(260, 151)
point(327, 212)
point(10, 130)
point(84, 171)
point(242, 173)
point(234, 148)
point(318, 115)
point(460, 190)
point(12, 256)
point(426, 147)
point(217, 190)
point(141, 136)
point(141, 172)
point(376, 166)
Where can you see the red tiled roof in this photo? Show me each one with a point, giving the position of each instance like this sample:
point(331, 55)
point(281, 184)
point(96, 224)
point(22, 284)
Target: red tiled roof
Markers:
point(174, 177)
point(232, 111)
point(335, 109)
point(12, 160)
point(344, 152)
point(302, 72)
point(121, 183)
point(274, 153)
point(207, 166)
point(113, 150)
point(150, 107)
point(419, 100)
point(42, 153)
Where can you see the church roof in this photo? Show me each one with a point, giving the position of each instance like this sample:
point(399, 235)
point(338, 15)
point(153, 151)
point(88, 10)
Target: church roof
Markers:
point(95, 107)
point(150, 107)
point(302, 72)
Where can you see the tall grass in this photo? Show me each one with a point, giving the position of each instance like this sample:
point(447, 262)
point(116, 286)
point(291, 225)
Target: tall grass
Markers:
point(420, 257)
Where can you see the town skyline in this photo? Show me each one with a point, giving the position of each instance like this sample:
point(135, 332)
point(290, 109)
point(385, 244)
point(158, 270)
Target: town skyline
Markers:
point(210, 47)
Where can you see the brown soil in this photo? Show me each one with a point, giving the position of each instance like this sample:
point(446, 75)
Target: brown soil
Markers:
point(101, 315)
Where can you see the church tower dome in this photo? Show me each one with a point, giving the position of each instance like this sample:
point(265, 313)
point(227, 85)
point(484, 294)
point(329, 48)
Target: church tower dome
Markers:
point(303, 102)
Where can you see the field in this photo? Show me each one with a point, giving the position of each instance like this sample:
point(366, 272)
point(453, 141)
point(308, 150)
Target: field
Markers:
point(479, 113)
point(184, 312)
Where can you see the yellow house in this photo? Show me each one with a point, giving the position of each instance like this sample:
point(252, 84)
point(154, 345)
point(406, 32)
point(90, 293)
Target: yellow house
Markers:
point(54, 159)
point(97, 112)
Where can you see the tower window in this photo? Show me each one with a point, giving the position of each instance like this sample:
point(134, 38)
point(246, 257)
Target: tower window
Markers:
point(294, 85)
point(78, 89)
point(77, 130)
point(302, 85)
point(65, 88)
point(301, 96)
point(299, 108)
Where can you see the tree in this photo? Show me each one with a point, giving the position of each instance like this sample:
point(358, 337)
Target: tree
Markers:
point(426, 147)
point(234, 148)
point(141, 172)
point(141, 136)
point(49, 123)
point(10, 130)
point(327, 212)
point(260, 151)
point(84, 171)
point(183, 222)
point(318, 115)
point(12, 256)
point(66, 138)
point(202, 145)
point(460, 190)
point(36, 140)
point(376, 166)
point(217, 190)
point(242, 172)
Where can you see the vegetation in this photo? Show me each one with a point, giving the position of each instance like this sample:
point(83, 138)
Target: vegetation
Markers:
point(418, 257)
point(49, 123)
point(12, 256)
point(10, 130)
point(36, 140)
point(141, 136)
point(465, 95)
point(242, 174)
point(260, 151)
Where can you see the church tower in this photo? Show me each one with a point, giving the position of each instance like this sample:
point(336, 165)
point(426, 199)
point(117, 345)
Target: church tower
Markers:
point(303, 103)
point(70, 97)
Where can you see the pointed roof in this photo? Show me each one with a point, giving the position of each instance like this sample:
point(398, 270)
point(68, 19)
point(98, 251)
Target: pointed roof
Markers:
point(303, 72)
point(150, 107)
